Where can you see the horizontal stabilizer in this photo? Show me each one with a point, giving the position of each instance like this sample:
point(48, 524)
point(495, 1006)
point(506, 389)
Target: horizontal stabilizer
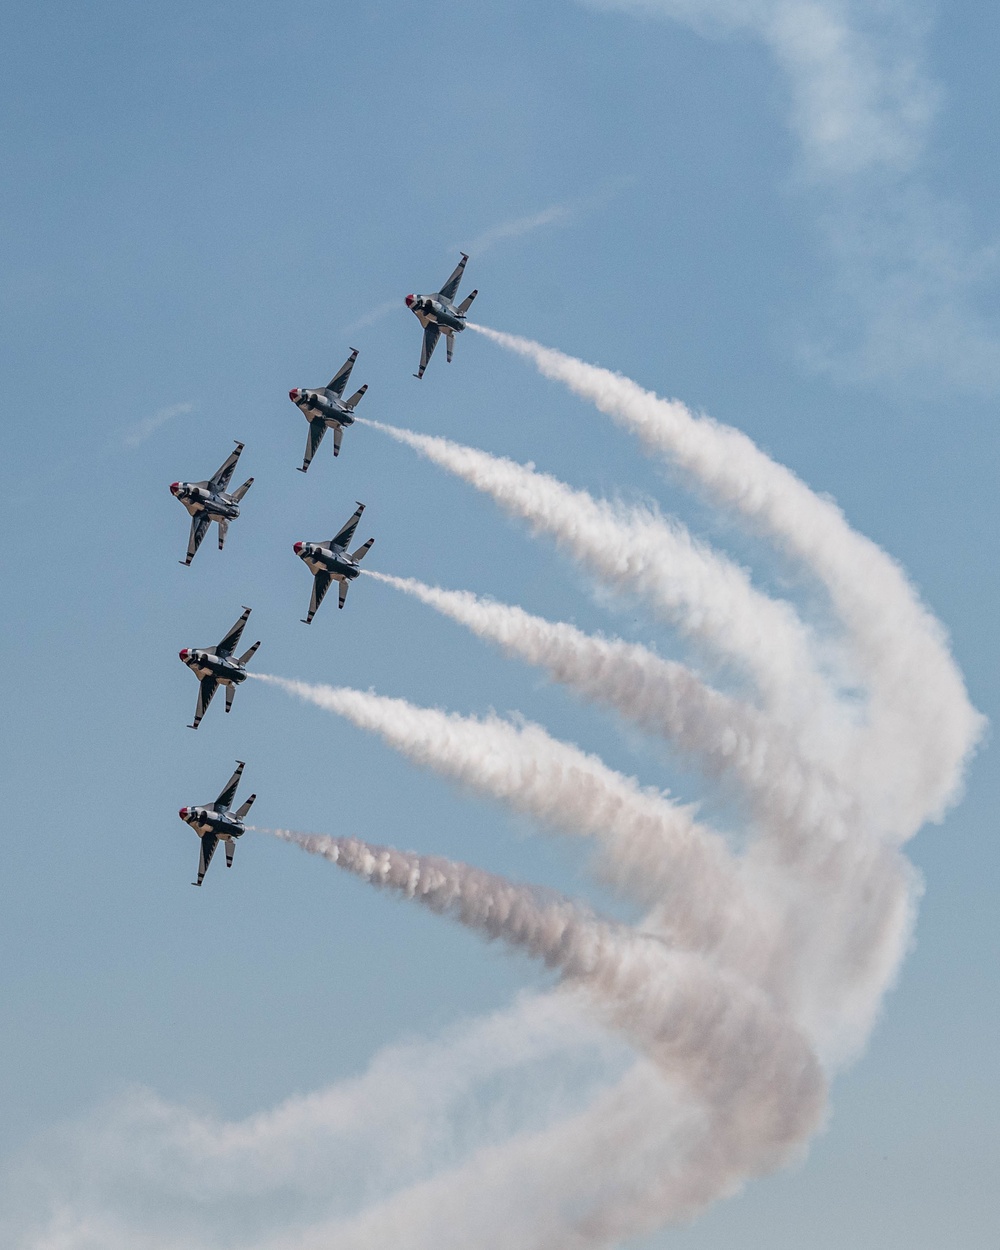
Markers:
point(450, 340)
point(223, 531)
point(240, 491)
point(230, 696)
point(338, 434)
point(466, 304)
point(230, 852)
point(344, 586)
point(363, 550)
point(247, 656)
point(245, 807)
point(349, 404)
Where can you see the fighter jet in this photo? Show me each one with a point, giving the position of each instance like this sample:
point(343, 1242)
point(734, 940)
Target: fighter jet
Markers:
point(215, 822)
point(327, 409)
point(328, 561)
point(208, 502)
point(215, 666)
point(439, 315)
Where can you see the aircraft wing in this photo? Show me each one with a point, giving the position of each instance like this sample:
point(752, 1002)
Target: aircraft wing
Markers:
point(343, 539)
point(321, 584)
point(432, 333)
point(228, 793)
point(208, 844)
point(231, 641)
point(206, 693)
point(450, 288)
point(199, 528)
point(339, 380)
point(221, 477)
point(317, 428)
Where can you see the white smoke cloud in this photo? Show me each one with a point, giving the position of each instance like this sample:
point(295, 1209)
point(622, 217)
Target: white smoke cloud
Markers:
point(705, 595)
point(753, 975)
point(918, 707)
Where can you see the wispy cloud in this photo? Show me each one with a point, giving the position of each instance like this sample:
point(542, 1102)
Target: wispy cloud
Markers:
point(138, 433)
point(516, 227)
point(555, 215)
point(373, 316)
point(908, 297)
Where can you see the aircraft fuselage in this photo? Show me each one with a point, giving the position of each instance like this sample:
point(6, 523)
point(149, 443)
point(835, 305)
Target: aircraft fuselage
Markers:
point(197, 499)
point(320, 559)
point(203, 820)
point(317, 404)
point(430, 309)
point(203, 664)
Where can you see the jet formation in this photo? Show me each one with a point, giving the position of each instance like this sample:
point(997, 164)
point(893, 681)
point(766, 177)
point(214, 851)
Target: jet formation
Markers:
point(438, 314)
point(215, 823)
point(325, 408)
point(215, 667)
point(208, 501)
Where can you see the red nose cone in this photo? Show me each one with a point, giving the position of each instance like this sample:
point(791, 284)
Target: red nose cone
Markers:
point(298, 547)
point(174, 487)
point(183, 813)
point(409, 300)
point(293, 394)
point(184, 655)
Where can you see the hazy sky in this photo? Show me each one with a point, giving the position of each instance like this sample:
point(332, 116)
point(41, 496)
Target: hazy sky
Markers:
point(780, 211)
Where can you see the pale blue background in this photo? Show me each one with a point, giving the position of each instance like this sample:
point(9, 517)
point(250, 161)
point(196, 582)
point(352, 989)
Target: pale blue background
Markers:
point(198, 201)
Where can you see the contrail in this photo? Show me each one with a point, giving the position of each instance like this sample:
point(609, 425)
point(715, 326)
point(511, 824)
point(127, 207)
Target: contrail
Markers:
point(707, 597)
point(710, 1031)
point(730, 740)
point(654, 851)
point(922, 725)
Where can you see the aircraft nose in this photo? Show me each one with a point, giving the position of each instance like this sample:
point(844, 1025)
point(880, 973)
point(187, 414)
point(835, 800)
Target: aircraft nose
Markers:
point(184, 655)
point(409, 300)
point(183, 813)
point(297, 547)
point(174, 487)
point(293, 394)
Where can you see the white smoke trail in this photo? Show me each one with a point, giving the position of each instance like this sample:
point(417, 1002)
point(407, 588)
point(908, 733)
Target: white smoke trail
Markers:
point(708, 598)
point(730, 740)
point(922, 725)
point(712, 1033)
point(654, 851)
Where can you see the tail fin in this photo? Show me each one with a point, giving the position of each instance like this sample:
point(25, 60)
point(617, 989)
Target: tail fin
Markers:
point(230, 696)
point(466, 304)
point(247, 656)
point(450, 341)
point(362, 551)
point(349, 404)
point(230, 852)
point(223, 531)
point(242, 490)
point(244, 807)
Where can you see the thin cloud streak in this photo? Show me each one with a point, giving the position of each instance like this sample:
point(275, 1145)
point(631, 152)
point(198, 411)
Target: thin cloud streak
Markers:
point(137, 434)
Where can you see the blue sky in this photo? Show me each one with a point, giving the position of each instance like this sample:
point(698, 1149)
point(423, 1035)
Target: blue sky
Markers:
point(205, 205)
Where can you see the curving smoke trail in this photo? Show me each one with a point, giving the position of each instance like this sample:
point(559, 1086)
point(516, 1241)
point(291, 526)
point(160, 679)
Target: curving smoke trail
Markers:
point(653, 850)
point(713, 1034)
point(921, 725)
point(754, 973)
point(705, 595)
point(730, 740)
